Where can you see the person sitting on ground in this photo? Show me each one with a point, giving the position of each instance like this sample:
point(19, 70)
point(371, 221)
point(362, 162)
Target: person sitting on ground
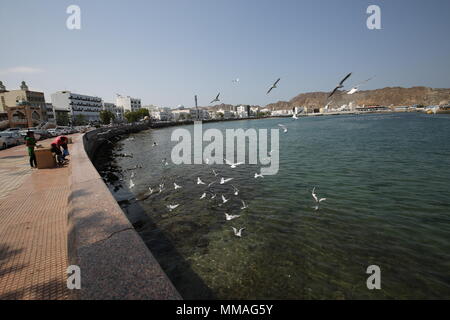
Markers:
point(61, 142)
point(30, 142)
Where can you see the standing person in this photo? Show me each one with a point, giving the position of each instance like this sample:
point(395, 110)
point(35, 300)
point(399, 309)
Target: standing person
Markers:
point(30, 142)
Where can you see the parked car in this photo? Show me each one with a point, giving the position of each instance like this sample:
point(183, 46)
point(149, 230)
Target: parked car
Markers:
point(23, 133)
point(12, 138)
point(3, 143)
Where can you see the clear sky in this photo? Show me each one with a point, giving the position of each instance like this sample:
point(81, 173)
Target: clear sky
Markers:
point(166, 51)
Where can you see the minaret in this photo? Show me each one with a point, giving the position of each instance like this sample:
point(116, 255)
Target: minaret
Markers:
point(2, 87)
point(24, 86)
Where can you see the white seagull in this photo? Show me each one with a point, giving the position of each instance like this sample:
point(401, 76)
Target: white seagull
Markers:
point(172, 206)
point(215, 173)
point(294, 116)
point(132, 174)
point(225, 200)
point(199, 181)
point(233, 165)
point(236, 190)
point(244, 206)
point(273, 86)
point(340, 85)
point(176, 186)
point(356, 88)
point(223, 180)
point(283, 127)
point(216, 99)
point(315, 196)
point(213, 196)
point(150, 189)
point(161, 187)
point(210, 184)
point(230, 216)
point(131, 184)
point(236, 232)
point(258, 175)
point(203, 196)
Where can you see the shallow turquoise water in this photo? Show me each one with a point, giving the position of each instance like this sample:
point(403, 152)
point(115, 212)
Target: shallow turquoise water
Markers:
point(386, 180)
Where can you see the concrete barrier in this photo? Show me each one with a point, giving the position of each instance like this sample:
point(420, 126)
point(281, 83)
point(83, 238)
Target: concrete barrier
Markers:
point(115, 263)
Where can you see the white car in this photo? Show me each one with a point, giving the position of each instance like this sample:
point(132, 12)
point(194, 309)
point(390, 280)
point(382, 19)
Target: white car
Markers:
point(12, 138)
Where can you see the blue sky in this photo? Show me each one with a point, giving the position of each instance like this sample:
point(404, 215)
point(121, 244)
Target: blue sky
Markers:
point(166, 51)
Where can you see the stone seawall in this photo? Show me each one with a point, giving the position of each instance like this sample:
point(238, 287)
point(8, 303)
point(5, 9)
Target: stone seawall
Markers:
point(115, 263)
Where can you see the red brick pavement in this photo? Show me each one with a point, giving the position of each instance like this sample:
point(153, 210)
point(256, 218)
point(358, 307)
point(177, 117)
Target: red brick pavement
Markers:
point(33, 228)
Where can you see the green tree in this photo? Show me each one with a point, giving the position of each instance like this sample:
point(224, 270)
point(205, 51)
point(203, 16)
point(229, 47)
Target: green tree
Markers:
point(62, 118)
point(106, 116)
point(79, 120)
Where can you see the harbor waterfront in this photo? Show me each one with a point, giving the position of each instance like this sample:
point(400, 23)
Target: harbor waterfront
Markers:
point(385, 177)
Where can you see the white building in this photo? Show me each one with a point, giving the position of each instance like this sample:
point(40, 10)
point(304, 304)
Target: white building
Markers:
point(161, 113)
point(128, 103)
point(227, 114)
point(50, 113)
point(190, 114)
point(280, 113)
point(118, 112)
point(77, 104)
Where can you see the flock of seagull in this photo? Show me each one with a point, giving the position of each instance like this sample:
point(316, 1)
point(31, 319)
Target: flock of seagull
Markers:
point(209, 190)
point(340, 85)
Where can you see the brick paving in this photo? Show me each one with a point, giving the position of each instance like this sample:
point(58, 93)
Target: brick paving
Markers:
point(33, 228)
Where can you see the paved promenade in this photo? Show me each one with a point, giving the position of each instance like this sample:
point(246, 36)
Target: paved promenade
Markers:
point(33, 228)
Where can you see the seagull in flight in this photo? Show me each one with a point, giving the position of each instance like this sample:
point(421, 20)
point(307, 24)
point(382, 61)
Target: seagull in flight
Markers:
point(210, 184)
point(315, 196)
point(203, 196)
point(340, 85)
point(216, 99)
point(258, 175)
point(150, 189)
point(283, 127)
point(176, 186)
point(215, 173)
point(213, 196)
point(273, 86)
point(236, 232)
point(132, 174)
point(230, 216)
point(172, 206)
point(223, 180)
point(199, 181)
point(236, 190)
point(131, 184)
point(356, 88)
point(294, 116)
point(233, 165)
point(244, 206)
point(225, 200)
